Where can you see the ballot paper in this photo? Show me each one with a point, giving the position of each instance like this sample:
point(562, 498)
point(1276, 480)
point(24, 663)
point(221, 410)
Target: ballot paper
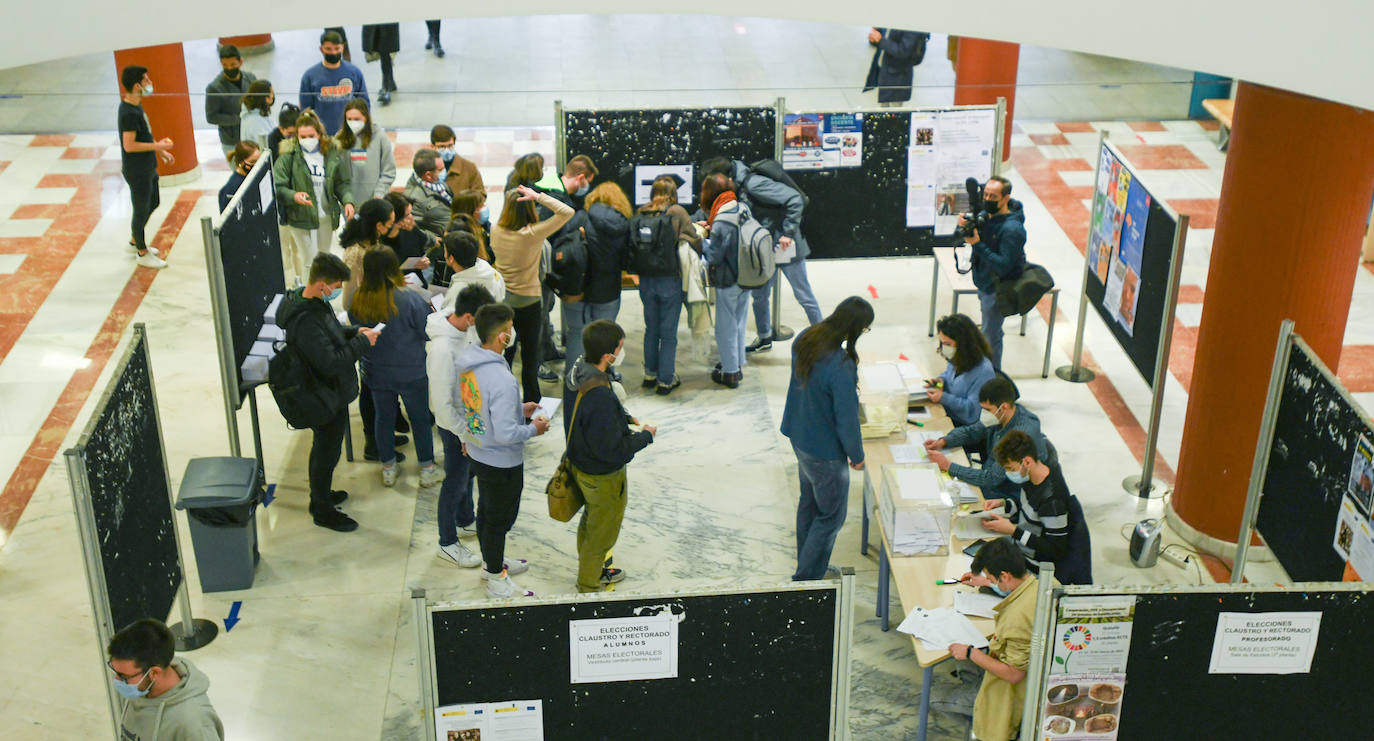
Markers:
point(976, 604)
point(414, 281)
point(412, 263)
point(548, 405)
point(910, 372)
point(940, 627)
point(437, 301)
point(920, 533)
point(966, 493)
point(908, 453)
point(970, 526)
point(920, 483)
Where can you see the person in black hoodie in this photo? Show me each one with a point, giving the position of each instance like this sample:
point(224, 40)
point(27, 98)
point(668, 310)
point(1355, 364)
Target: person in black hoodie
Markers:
point(608, 218)
point(999, 253)
point(600, 446)
point(333, 351)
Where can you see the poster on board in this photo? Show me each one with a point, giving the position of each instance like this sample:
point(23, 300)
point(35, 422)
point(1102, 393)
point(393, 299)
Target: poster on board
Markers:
point(623, 649)
point(1361, 484)
point(964, 142)
point(819, 141)
point(1087, 681)
point(518, 720)
point(922, 207)
point(1265, 642)
point(646, 174)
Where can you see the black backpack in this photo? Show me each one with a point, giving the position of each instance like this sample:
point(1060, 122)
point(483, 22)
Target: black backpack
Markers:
point(773, 170)
point(653, 244)
point(304, 400)
point(568, 267)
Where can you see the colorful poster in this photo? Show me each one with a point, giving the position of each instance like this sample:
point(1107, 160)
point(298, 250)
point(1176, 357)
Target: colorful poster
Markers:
point(1361, 485)
point(1083, 707)
point(1116, 238)
point(1347, 526)
point(1087, 682)
point(844, 135)
point(1265, 642)
point(801, 141)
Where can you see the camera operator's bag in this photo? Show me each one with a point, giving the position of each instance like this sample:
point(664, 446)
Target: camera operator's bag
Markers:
point(1016, 296)
point(757, 263)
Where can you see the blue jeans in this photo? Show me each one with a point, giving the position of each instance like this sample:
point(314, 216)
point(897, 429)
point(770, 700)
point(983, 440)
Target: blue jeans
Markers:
point(416, 396)
point(795, 272)
point(821, 510)
point(732, 313)
point(992, 325)
point(455, 495)
point(576, 316)
point(662, 297)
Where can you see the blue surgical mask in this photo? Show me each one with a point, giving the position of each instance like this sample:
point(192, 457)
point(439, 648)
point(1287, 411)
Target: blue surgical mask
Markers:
point(148, 89)
point(485, 215)
point(1000, 591)
point(447, 154)
point(130, 691)
point(334, 294)
point(584, 190)
point(1017, 477)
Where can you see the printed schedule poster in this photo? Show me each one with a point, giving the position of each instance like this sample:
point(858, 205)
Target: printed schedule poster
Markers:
point(922, 205)
point(964, 143)
point(623, 649)
point(1265, 642)
point(518, 720)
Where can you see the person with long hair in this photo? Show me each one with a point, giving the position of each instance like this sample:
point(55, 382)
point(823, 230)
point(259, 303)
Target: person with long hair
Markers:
point(255, 117)
point(470, 203)
point(517, 240)
point(242, 158)
point(821, 418)
point(721, 250)
point(662, 294)
point(407, 238)
point(608, 216)
point(369, 151)
point(527, 170)
point(968, 366)
point(315, 188)
point(396, 372)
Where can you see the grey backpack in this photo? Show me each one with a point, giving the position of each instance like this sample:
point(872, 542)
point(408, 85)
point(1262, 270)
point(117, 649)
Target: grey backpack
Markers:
point(756, 260)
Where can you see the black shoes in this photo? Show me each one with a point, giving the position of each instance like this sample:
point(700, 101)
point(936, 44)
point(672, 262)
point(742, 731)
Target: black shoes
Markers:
point(335, 520)
point(728, 380)
point(665, 389)
point(384, 97)
point(338, 497)
point(649, 382)
point(762, 344)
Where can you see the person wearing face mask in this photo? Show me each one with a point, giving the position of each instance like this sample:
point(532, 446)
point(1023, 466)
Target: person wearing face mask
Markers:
point(1045, 519)
point(408, 240)
point(285, 129)
point(968, 366)
point(330, 84)
point(224, 94)
point(139, 154)
point(571, 188)
point(1001, 566)
point(1001, 415)
point(494, 431)
point(461, 250)
point(600, 447)
point(333, 351)
point(368, 148)
point(163, 696)
point(242, 159)
point(821, 418)
point(255, 115)
point(462, 173)
point(426, 191)
point(999, 253)
point(314, 186)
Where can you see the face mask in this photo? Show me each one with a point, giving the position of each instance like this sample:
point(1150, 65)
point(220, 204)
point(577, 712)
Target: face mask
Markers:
point(130, 691)
point(334, 294)
point(947, 352)
point(510, 337)
point(619, 357)
point(447, 154)
point(999, 590)
point(310, 145)
point(583, 190)
point(333, 58)
point(148, 89)
point(991, 206)
point(355, 125)
point(989, 419)
point(485, 215)
point(1017, 477)
point(232, 74)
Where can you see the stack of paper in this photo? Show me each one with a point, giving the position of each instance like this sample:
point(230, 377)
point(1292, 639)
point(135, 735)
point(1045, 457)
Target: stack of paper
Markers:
point(976, 604)
point(966, 493)
point(938, 628)
point(921, 534)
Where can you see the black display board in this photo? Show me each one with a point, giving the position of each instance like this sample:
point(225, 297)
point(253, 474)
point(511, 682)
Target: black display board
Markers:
point(126, 476)
point(1170, 694)
point(617, 140)
point(1142, 344)
point(750, 666)
point(250, 250)
point(861, 211)
point(1316, 431)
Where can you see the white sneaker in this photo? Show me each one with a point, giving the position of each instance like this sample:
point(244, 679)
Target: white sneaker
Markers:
point(468, 531)
point(461, 555)
point(501, 587)
point(513, 566)
point(151, 260)
point(431, 476)
point(134, 249)
point(389, 475)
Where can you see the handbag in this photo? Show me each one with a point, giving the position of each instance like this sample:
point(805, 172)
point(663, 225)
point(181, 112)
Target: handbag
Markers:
point(564, 495)
point(1016, 296)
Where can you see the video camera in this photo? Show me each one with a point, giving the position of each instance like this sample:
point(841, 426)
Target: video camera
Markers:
point(978, 216)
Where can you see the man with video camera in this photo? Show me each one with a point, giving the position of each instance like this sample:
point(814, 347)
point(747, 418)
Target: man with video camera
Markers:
point(998, 240)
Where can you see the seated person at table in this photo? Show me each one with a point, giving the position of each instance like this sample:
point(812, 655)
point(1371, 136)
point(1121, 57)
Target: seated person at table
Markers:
point(997, 711)
point(997, 398)
point(969, 366)
point(1045, 520)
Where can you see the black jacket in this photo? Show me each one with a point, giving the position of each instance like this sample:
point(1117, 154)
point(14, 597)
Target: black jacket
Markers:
point(599, 439)
point(382, 38)
point(330, 348)
point(608, 247)
point(893, 61)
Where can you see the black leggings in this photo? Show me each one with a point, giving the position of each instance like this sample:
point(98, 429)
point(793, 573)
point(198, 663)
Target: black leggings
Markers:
point(498, 504)
point(388, 79)
point(529, 333)
point(325, 445)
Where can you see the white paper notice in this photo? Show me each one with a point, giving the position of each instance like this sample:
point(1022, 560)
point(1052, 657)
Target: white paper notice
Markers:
point(548, 406)
point(919, 483)
point(920, 171)
point(882, 377)
point(965, 142)
point(1362, 551)
point(1265, 642)
point(519, 720)
point(1347, 525)
point(622, 649)
point(908, 453)
point(644, 181)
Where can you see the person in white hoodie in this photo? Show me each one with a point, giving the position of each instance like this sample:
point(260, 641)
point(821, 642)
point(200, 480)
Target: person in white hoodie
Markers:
point(460, 253)
point(494, 432)
point(451, 331)
point(163, 697)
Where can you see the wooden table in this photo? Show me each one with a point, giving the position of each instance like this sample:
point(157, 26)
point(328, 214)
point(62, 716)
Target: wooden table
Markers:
point(1222, 109)
point(962, 284)
point(914, 576)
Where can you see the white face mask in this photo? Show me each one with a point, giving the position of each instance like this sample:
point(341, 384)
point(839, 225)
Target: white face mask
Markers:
point(947, 352)
point(510, 337)
point(310, 145)
point(619, 356)
point(989, 419)
point(356, 125)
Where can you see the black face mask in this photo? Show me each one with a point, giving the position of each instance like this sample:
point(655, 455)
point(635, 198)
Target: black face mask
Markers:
point(992, 207)
point(333, 58)
point(232, 74)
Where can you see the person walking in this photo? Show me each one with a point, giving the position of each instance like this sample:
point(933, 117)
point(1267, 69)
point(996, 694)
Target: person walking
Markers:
point(895, 56)
point(433, 43)
point(368, 148)
point(821, 418)
point(138, 154)
point(383, 40)
point(600, 446)
point(224, 95)
point(328, 86)
point(314, 186)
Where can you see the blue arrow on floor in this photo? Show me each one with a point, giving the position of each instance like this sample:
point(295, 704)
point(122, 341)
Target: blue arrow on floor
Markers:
point(269, 496)
point(233, 619)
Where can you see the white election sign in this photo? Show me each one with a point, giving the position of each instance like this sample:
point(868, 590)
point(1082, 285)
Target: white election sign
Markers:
point(1265, 642)
point(622, 649)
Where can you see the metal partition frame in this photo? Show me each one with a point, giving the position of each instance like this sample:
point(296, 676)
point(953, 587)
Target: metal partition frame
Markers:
point(1283, 348)
point(423, 611)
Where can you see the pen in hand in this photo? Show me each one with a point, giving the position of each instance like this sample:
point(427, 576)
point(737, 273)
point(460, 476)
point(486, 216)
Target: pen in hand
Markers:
point(947, 582)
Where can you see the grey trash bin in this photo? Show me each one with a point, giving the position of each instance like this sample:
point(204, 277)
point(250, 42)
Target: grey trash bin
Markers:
point(220, 496)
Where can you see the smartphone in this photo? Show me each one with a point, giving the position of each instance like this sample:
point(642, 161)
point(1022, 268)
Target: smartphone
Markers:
point(380, 327)
point(972, 549)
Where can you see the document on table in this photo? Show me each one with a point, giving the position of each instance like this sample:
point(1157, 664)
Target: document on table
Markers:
point(976, 604)
point(908, 453)
point(548, 405)
point(940, 627)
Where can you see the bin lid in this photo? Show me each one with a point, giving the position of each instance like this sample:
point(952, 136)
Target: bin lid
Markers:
point(218, 482)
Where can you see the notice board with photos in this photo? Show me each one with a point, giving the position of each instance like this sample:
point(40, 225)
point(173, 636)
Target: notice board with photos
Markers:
point(1317, 495)
point(1130, 253)
point(887, 183)
point(746, 664)
point(1207, 662)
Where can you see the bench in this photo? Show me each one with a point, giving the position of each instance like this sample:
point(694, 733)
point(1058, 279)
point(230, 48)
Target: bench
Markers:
point(1221, 109)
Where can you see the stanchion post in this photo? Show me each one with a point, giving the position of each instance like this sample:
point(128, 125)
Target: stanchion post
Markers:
point(1282, 349)
point(1039, 651)
point(1076, 373)
point(997, 154)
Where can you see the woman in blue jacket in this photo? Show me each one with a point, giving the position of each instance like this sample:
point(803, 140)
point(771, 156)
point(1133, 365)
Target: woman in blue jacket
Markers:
point(398, 369)
point(821, 419)
point(968, 366)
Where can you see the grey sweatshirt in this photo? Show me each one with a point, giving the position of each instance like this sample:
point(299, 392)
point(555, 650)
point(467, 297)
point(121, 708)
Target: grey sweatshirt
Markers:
point(183, 713)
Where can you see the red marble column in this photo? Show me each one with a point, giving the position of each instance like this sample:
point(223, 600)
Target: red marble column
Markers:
point(169, 107)
point(250, 44)
point(985, 71)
